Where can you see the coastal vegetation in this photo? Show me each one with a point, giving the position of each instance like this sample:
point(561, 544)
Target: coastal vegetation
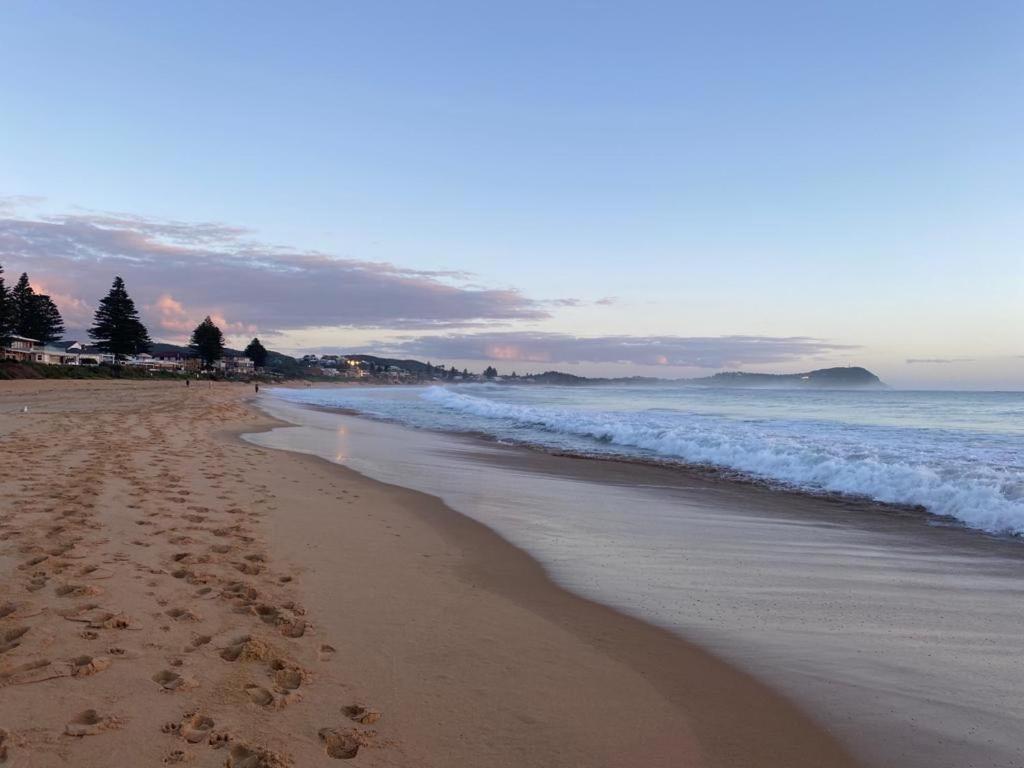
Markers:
point(6, 329)
point(257, 353)
point(207, 343)
point(117, 328)
point(23, 312)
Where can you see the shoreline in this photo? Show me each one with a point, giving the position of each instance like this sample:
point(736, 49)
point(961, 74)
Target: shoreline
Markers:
point(736, 719)
point(267, 608)
point(739, 578)
point(707, 473)
point(932, 509)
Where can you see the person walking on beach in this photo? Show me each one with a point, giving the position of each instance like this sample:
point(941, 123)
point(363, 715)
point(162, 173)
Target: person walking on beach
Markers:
point(257, 387)
point(188, 383)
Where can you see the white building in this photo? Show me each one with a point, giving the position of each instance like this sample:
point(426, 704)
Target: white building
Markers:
point(20, 348)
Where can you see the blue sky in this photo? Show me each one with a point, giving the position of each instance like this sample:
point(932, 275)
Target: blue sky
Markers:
point(852, 173)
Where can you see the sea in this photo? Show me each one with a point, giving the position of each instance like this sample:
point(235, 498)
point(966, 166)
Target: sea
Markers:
point(861, 551)
point(957, 455)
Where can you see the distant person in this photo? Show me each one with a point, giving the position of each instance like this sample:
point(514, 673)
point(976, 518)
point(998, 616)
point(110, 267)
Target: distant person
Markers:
point(257, 387)
point(188, 383)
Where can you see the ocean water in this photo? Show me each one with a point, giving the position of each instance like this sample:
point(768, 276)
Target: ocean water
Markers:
point(905, 639)
point(958, 455)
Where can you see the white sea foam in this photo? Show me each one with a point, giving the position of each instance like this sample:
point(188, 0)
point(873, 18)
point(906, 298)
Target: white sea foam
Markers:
point(972, 473)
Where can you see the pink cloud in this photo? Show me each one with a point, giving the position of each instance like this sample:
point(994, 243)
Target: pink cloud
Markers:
point(249, 285)
point(180, 321)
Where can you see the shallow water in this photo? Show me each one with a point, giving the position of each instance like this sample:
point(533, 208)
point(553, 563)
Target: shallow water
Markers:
point(957, 454)
point(904, 638)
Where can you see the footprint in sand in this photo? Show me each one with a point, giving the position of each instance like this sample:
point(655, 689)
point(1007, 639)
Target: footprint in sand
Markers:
point(242, 756)
point(246, 648)
point(292, 629)
point(172, 681)
point(268, 614)
point(326, 652)
point(182, 614)
point(11, 638)
point(197, 728)
point(194, 728)
point(35, 672)
point(287, 676)
point(198, 642)
point(37, 582)
point(340, 744)
point(89, 723)
point(95, 572)
point(360, 714)
point(241, 592)
point(219, 739)
point(259, 695)
point(83, 666)
point(78, 590)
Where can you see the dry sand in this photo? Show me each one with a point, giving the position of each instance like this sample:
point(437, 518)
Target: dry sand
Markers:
point(170, 594)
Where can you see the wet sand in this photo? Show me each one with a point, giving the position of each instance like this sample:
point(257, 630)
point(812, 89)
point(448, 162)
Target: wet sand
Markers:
point(171, 594)
point(899, 633)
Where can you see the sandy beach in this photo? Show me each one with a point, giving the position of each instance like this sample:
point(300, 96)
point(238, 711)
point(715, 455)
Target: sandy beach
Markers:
point(171, 594)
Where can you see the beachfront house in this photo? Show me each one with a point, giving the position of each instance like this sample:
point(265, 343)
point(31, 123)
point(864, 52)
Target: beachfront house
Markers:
point(27, 350)
point(235, 365)
point(79, 353)
point(48, 354)
point(20, 348)
point(151, 363)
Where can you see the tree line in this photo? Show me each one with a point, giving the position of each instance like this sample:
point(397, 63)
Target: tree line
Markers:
point(117, 329)
point(23, 312)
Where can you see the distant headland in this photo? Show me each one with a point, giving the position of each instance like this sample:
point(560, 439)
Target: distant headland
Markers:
point(373, 367)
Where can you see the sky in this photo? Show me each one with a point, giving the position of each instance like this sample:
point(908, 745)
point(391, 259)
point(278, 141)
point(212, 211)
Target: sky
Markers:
point(605, 188)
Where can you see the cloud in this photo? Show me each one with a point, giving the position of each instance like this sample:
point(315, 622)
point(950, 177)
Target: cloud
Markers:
point(686, 351)
point(74, 311)
point(178, 272)
point(938, 360)
point(11, 203)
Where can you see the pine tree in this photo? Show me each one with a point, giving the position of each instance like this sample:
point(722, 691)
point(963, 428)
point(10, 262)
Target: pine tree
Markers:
point(45, 323)
point(117, 328)
point(207, 343)
point(257, 353)
point(33, 315)
point(6, 319)
point(23, 299)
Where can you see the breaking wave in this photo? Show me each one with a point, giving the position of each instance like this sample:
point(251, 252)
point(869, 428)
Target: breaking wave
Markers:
point(948, 473)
